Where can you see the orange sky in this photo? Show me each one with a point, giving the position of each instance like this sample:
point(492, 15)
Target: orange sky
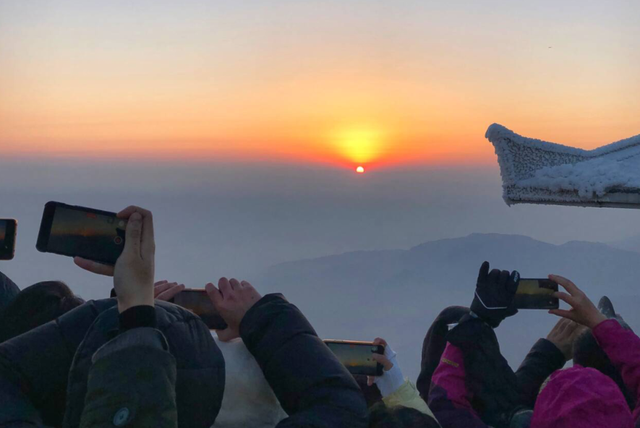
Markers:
point(352, 84)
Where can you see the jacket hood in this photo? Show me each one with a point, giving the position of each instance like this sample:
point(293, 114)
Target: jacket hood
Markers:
point(581, 397)
point(199, 364)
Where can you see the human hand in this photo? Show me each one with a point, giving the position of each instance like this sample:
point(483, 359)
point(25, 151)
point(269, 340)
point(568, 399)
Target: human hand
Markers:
point(228, 334)
point(232, 299)
point(563, 334)
point(582, 311)
point(165, 290)
point(381, 359)
point(392, 378)
point(134, 270)
point(495, 290)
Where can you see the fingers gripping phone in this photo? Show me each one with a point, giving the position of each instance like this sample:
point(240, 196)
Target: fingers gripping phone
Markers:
point(198, 302)
point(8, 229)
point(73, 231)
point(536, 294)
point(357, 356)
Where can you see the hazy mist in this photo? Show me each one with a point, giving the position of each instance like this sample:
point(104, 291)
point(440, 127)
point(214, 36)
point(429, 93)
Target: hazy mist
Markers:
point(235, 219)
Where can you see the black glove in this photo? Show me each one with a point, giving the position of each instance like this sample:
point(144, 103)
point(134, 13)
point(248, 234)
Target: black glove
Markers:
point(495, 290)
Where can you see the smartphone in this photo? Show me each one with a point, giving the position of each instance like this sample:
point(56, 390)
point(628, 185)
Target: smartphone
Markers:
point(8, 229)
point(536, 294)
point(198, 302)
point(356, 356)
point(84, 232)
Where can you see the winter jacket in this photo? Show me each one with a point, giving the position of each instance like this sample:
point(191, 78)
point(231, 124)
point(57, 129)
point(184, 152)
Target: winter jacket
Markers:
point(132, 383)
point(312, 386)
point(40, 367)
point(543, 359)
point(575, 397)
point(433, 345)
point(584, 397)
point(248, 399)
point(8, 291)
point(407, 396)
point(474, 386)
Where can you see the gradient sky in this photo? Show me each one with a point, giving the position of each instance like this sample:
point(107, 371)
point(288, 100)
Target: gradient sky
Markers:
point(344, 83)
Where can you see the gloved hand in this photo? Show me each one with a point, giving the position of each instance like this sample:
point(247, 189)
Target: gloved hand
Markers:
point(495, 290)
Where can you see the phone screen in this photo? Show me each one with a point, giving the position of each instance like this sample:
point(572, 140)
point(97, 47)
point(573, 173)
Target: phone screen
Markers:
point(198, 302)
point(357, 356)
point(536, 294)
point(84, 232)
point(7, 238)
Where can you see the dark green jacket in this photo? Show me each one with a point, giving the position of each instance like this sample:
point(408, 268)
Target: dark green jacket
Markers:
point(45, 373)
point(132, 383)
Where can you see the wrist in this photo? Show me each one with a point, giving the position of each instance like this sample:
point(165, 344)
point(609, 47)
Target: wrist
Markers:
point(593, 323)
point(125, 303)
point(390, 381)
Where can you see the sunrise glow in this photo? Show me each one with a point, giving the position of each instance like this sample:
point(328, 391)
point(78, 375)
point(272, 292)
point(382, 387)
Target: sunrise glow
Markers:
point(360, 170)
point(220, 81)
point(359, 144)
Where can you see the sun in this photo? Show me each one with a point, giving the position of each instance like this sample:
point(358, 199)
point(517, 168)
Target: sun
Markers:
point(360, 170)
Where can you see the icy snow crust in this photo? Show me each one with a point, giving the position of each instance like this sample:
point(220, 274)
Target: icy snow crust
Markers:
point(594, 177)
point(542, 172)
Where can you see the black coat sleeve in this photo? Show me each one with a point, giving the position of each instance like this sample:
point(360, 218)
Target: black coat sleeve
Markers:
point(313, 387)
point(543, 359)
point(489, 379)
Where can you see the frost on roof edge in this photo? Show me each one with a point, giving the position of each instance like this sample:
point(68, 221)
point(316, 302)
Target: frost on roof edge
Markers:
point(496, 133)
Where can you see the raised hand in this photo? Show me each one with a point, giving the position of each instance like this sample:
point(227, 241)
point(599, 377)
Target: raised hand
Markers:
point(495, 290)
point(232, 299)
point(381, 359)
point(582, 311)
point(563, 334)
point(165, 290)
point(134, 270)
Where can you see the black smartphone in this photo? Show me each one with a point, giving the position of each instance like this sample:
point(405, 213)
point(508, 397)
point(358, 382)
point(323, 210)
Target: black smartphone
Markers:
point(8, 229)
point(84, 232)
point(356, 356)
point(198, 302)
point(536, 294)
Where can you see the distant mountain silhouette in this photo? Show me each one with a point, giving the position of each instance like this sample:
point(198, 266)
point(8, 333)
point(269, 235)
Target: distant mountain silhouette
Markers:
point(630, 244)
point(396, 294)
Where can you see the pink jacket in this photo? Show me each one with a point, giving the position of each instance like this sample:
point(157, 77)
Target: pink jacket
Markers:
point(576, 397)
point(584, 397)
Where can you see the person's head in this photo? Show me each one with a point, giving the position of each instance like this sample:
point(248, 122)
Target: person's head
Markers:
point(581, 397)
point(588, 353)
point(36, 305)
point(381, 416)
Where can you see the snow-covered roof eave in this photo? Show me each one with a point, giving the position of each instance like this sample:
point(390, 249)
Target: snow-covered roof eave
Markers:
point(619, 199)
point(540, 172)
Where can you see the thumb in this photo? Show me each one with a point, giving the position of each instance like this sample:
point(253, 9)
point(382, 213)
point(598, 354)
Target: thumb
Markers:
point(512, 284)
point(133, 235)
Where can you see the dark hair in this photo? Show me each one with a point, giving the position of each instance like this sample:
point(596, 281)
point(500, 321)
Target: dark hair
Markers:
point(381, 416)
point(588, 353)
point(36, 305)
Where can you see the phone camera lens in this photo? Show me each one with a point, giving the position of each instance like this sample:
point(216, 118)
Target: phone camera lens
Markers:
point(117, 240)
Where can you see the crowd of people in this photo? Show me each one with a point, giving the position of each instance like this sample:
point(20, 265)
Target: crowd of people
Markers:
point(137, 360)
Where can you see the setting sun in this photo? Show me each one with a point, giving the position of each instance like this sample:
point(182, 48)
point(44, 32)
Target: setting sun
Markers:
point(360, 170)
